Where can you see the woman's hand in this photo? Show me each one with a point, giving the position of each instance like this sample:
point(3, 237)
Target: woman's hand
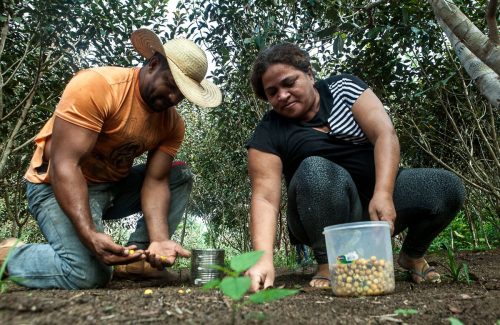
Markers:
point(261, 275)
point(381, 208)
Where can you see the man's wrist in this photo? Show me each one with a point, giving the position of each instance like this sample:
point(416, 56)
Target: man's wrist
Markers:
point(86, 231)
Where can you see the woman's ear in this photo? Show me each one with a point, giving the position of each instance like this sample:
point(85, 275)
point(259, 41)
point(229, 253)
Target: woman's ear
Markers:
point(310, 72)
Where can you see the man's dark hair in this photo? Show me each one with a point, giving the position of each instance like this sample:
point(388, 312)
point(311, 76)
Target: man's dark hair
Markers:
point(285, 53)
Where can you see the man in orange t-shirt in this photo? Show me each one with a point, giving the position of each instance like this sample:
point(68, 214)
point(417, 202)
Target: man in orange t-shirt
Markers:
point(82, 170)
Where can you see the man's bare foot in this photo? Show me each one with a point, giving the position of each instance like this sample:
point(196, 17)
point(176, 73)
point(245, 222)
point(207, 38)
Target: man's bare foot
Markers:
point(322, 277)
point(419, 269)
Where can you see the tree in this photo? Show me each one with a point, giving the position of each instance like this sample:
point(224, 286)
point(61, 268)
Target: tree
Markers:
point(42, 44)
point(479, 54)
point(396, 46)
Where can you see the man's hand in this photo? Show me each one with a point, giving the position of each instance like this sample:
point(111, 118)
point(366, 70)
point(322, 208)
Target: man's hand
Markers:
point(381, 208)
point(261, 275)
point(110, 253)
point(163, 253)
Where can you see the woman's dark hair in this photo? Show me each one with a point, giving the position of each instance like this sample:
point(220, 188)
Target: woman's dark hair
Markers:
point(286, 53)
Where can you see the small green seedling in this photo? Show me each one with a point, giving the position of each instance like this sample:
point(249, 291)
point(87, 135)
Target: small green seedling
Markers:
point(405, 312)
point(458, 271)
point(455, 321)
point(235, 285)
point(4, 283)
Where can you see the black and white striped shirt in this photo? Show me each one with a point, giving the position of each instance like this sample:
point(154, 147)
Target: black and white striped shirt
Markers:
point(344, 91)
point(346, 144)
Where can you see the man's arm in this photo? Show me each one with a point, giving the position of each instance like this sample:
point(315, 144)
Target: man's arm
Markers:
point(376, 124)
point(265, 175)
point(155, 201)
point(69, 146)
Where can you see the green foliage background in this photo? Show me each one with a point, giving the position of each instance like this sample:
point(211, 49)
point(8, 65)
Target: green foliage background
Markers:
point(396, 47)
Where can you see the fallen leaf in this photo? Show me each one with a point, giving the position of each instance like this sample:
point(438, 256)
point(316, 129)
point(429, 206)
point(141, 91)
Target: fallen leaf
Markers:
point(454, 309)
point(390, 319)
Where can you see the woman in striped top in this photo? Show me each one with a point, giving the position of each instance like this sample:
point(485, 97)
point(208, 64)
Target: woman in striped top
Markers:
point(337, 149)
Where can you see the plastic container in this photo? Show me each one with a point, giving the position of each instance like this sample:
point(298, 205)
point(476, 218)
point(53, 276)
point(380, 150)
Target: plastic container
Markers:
point(201, 265)
point(360, 258)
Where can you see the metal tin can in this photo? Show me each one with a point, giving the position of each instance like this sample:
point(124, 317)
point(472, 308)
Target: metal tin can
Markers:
point(201, 265)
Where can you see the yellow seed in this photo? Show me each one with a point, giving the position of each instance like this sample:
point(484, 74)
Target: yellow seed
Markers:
point(131, 252)
point(163, 258)
point(180, 291)
point(148, 291)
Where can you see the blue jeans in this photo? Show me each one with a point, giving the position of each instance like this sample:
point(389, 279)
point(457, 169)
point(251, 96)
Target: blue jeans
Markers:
point(65, 262)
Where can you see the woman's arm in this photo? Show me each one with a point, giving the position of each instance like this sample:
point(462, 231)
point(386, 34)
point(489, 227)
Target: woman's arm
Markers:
point(265, 174)
point(376, 124)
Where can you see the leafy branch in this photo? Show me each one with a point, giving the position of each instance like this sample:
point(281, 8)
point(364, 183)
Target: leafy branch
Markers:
point(235, 286)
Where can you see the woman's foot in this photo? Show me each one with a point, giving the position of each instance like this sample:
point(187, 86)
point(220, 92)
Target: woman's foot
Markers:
point(419, 269)
point(322, 277)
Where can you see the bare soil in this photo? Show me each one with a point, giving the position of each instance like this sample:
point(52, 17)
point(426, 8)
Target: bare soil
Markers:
point(124, 301)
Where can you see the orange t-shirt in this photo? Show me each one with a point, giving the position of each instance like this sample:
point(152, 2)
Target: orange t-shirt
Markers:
point(107, 100)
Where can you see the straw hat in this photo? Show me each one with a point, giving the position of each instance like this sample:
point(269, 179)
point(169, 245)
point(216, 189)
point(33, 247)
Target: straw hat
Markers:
point(187, 62)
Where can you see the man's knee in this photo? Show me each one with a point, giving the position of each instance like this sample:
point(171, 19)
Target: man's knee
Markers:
point(181, 174)
point(89, 276)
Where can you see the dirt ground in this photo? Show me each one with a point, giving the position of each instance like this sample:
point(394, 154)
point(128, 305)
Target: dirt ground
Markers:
point(124, 302)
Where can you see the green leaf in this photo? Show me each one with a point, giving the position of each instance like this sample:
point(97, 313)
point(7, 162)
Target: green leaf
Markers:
point(211, 284)
point(338, 44)
point(455, 321)
point(269, 295)
point(235, 288)
point(245, 261)
point(220, 268)
point(405, 312)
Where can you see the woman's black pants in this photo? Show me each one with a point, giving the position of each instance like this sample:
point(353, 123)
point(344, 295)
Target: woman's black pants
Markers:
point(322, 193)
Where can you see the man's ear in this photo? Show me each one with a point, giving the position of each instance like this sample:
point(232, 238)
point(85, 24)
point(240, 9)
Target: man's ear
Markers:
point(153, 62)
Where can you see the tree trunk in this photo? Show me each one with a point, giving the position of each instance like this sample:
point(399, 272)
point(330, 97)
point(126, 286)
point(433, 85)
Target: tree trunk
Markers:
point(486, 79)
point(477, 42)
point(3, 38)
point(10, 142)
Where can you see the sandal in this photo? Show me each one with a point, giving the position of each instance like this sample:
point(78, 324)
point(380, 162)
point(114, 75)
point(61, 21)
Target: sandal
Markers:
point(424, 275)
point(321, 277)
